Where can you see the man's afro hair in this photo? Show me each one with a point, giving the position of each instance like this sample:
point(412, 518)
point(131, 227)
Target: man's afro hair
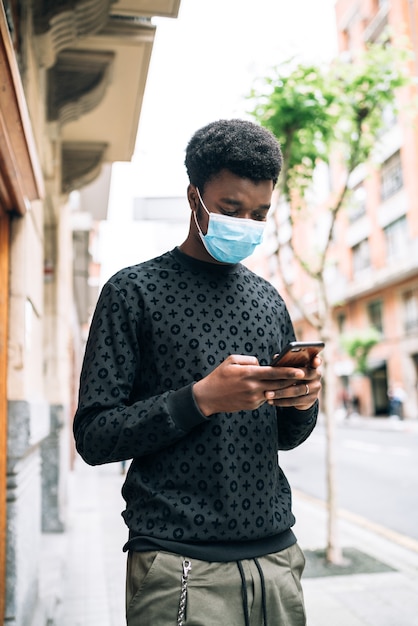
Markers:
point(242, 147)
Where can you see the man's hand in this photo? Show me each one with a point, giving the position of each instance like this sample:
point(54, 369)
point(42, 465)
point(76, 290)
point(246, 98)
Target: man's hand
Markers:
point(240, 383)
point(303, 394)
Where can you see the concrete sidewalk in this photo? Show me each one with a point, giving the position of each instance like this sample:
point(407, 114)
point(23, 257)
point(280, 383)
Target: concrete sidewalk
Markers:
point(379, 598)
point(83, 570)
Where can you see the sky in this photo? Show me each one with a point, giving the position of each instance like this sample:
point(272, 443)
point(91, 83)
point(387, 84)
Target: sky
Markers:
point(204, 64)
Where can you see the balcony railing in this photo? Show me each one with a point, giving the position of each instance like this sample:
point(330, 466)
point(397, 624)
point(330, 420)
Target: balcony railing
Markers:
point(371, 280)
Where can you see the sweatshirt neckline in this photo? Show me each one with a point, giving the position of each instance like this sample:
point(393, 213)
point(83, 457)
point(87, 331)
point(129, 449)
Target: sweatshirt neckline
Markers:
point(205, 266)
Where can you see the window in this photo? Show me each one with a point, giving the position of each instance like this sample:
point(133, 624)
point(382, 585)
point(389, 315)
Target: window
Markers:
point(361, 256)
point(396, 236)
point(375, 313)
point(389, 119)
point(376, 30)
point(410, 310)
point(391, 176)
point(341, 322)
point(357, 203)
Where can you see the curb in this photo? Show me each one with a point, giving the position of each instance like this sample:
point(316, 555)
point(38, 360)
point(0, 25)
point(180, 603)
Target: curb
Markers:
point(404, 541)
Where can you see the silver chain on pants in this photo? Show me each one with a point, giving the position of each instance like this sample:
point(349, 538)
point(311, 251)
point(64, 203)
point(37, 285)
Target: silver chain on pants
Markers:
point(187, 566)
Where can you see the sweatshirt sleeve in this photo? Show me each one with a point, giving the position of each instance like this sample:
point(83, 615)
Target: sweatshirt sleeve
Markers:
point(295, 426)
point(109, 425)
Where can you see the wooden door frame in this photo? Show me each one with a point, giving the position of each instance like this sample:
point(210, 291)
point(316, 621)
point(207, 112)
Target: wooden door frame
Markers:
point(4, 320)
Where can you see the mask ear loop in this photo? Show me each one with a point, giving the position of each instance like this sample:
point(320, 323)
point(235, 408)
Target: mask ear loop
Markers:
point(199, 230)
point(194, 213)
point(201, 201)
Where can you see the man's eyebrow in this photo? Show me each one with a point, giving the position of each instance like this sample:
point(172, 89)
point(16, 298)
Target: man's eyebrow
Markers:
point(238, 203)
point(231, 201)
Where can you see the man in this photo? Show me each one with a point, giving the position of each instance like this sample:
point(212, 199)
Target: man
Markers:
point(176, 377)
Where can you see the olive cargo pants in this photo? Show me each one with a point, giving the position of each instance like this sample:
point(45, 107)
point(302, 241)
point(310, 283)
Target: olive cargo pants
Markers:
point(237, 593)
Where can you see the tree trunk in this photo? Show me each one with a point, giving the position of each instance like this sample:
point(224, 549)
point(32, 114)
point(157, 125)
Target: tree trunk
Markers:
point(333, 551)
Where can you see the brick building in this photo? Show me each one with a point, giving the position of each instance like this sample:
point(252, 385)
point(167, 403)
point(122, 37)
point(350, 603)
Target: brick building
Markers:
point(379, 237)
point(374, 278)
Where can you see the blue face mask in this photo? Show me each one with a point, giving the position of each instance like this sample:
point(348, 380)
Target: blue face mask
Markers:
point(230, 239)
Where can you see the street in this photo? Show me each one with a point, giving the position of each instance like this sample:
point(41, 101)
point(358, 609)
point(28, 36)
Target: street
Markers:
point(376, 468)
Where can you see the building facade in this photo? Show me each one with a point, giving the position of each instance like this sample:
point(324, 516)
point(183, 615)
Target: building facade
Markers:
point(372, 281)
point(72, 79)
point(378, 233)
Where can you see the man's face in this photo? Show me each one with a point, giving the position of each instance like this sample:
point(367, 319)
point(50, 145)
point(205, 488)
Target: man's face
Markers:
point(231, 195)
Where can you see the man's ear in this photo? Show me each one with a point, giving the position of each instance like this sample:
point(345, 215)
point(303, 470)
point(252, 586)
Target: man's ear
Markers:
point(193, 197)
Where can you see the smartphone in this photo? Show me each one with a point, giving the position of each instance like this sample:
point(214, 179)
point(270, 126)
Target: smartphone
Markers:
point(298, 353)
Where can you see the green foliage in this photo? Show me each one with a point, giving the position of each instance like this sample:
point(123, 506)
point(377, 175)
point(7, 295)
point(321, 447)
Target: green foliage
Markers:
point(358, 345)
point(298, 111)
point(316, 111)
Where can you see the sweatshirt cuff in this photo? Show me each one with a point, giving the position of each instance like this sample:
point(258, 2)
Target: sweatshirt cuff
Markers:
point(305, 416)
point(184, 410)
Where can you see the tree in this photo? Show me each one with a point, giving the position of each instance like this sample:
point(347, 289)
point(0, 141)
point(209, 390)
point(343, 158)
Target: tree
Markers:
point(321, 114)
point(358, 345)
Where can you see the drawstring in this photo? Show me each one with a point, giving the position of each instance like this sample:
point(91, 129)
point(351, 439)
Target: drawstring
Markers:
point(263, 591)
point(245, 596)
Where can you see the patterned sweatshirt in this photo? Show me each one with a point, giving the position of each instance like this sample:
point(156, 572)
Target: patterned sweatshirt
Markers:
point(208, 488)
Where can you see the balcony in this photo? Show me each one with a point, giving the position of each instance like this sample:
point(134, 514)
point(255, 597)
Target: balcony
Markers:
point(371, 280)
